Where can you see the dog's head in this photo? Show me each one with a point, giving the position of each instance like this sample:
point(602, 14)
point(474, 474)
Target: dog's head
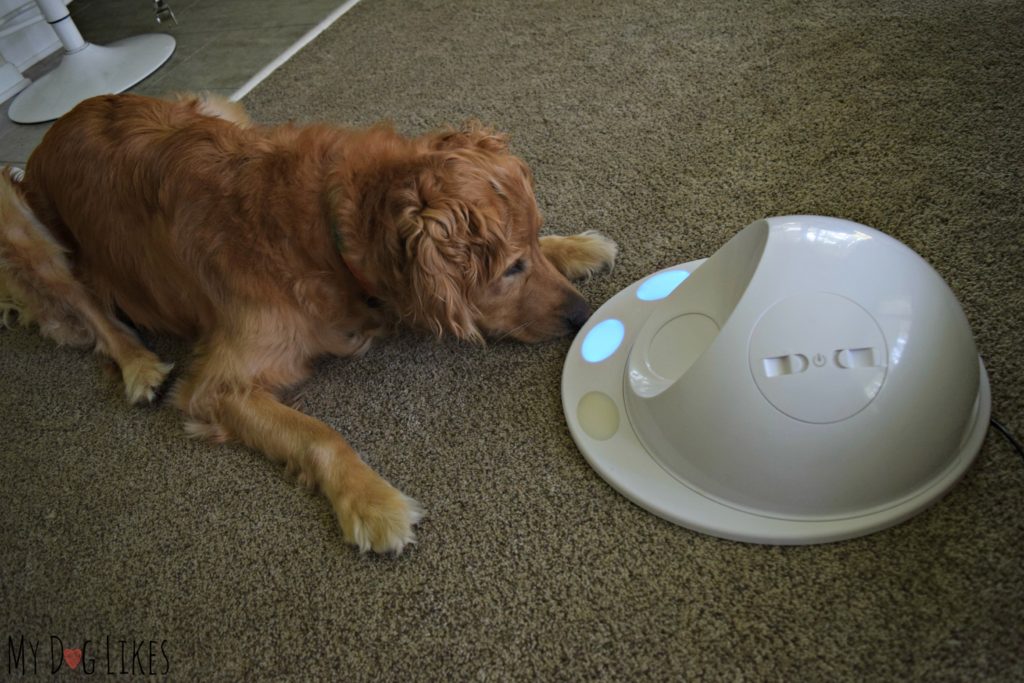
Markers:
point(463, 225)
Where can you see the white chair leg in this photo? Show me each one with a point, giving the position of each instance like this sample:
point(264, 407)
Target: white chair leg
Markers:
point(86, 69)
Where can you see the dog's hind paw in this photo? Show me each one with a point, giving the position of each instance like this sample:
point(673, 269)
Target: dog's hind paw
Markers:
point(205, 431)
point(142, 376)
point(10, 314)
point(12, 309)
point(378, 517)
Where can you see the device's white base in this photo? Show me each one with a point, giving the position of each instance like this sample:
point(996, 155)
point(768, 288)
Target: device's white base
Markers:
point(12, 87)
point(92, 70)
point(602, 429)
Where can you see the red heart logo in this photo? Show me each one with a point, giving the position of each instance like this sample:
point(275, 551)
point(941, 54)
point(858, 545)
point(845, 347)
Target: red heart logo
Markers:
point(73, 657)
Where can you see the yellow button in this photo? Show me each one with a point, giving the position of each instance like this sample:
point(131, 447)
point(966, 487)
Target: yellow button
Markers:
point(598, 415)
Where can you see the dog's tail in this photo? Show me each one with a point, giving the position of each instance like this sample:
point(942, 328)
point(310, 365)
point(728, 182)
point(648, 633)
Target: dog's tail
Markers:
point(35, 274)
point(217, 106)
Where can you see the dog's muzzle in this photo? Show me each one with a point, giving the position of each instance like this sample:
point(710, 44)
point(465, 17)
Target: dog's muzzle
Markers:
point(577, 312)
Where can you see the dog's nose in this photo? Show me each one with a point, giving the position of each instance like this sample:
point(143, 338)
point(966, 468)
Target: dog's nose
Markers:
point(577, 311)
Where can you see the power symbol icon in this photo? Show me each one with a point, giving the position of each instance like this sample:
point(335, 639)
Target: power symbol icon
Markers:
point(819, 360)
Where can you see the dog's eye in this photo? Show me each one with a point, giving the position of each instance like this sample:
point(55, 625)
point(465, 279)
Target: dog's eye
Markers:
point(516, 268)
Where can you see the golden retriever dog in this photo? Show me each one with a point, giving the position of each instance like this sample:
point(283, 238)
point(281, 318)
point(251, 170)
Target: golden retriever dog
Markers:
point(267, 247)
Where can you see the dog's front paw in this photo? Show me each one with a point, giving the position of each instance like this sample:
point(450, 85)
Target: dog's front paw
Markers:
point(142, 376)
point(376, 516)
point(580, 256)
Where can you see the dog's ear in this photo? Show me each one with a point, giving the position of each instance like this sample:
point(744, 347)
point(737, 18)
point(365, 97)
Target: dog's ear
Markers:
point(450, 241)
point(434, 255)
point(471, 134)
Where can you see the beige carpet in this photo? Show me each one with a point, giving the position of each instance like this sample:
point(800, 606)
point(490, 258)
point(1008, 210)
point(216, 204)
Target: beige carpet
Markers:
point(668, 126)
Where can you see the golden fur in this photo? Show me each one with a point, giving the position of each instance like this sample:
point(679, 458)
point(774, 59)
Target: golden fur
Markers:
point(270, 246)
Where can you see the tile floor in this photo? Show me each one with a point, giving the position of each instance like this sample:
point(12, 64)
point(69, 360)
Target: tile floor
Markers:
point(221, 44)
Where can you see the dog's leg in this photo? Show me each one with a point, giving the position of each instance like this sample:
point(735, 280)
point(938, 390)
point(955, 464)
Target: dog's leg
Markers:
point(372, 514)
point(579, 256)
point(39, 282)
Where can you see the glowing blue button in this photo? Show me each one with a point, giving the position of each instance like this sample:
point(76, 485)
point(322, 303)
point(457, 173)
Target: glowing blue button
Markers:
point(660, 285)
point(603, 340)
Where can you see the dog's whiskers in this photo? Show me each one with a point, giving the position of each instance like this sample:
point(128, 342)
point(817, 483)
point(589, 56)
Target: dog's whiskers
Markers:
point(513, 330)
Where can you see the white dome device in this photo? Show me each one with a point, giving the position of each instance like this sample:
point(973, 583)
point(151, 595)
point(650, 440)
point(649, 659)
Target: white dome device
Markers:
point(813, 380)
